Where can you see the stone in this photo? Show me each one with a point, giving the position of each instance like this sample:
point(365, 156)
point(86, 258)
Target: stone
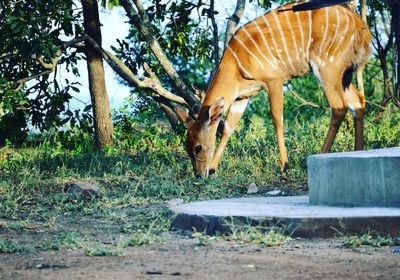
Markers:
point(86, 190)
point(252, 189)
point(274, 192)
point(355, 179)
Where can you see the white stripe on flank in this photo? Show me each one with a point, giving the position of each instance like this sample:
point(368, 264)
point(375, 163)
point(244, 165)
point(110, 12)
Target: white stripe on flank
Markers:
point(239, 63)
point(309, 16)
point(289, 59)
point(292, 34)
point(336, 30)
point(325, 33)
point(249, 51)
point(303, 47)
point(344, 34)
point(257, 47)
point(273, 40)
point(265, 42)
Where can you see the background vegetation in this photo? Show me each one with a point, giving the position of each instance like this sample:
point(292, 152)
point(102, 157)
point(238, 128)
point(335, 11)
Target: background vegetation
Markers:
point(45, 145)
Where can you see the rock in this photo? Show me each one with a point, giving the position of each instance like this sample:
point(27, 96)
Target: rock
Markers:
point(274, 192)
point(252, 188)
point(86, 190)
point(174, 202)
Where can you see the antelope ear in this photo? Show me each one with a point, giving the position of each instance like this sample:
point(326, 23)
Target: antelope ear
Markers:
point(216, 111)
point(184, 116)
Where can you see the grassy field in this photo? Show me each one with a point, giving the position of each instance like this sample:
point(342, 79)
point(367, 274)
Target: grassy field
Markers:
point(147, 167)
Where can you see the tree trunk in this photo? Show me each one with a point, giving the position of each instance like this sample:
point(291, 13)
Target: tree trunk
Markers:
point(233, 21)
point(101, 107)
point(395, 6)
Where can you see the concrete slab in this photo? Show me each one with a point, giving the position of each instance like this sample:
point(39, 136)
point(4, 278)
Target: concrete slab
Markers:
point(294, 213)
point(361, 178)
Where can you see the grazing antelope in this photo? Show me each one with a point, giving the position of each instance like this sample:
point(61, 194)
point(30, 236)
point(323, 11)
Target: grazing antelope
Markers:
point(265, 52)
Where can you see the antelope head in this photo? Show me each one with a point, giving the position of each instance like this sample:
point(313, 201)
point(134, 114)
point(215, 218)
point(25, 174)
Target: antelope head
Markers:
point(201, 135)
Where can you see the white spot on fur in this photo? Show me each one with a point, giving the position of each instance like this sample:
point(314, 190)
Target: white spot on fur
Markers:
point(238, 107)
point(352, 110)
point(332, 59)
point(314, 67)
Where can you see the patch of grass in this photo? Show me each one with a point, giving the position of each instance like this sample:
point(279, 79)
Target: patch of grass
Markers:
point(142, 238)
point(13, 247)
point(18, 226)
point(370, 240)
point(148, 166)
point(256, 234)
point(100, 250)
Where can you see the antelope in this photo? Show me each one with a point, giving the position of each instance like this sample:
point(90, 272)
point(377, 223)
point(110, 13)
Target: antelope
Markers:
point(332, 41)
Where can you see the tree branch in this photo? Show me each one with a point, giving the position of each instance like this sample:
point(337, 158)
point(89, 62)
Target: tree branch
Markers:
point(234, 20)
point(142, 23)
point(19, 83)
point(215, 33)
point(125, 73)
point(305, 102)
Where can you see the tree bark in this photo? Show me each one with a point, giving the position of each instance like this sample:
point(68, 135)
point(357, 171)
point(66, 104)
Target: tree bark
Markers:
point(97, 86)
point(141, 21)
point(233, 21)
point(395, 7)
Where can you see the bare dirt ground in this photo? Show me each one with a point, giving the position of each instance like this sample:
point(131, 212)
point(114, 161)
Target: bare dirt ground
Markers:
point(185, 258)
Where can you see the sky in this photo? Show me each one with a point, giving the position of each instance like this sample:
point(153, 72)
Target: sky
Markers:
point(114, 27)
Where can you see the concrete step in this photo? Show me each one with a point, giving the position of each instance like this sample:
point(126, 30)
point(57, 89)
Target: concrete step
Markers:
point(361, 178)
point(293, 213)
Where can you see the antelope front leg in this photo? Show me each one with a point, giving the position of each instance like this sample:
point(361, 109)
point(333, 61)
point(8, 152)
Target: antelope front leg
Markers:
point(275, 92)
point(235, 113)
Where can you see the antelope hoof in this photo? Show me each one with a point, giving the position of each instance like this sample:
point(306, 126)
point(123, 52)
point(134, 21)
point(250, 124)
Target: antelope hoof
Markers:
point(284, 168)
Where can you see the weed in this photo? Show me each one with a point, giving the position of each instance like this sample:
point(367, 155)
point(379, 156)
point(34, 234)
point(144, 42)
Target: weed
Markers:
point(99, 250)
point(256, 234)
point(12, 247)
point(142, 238)
point(370, 240)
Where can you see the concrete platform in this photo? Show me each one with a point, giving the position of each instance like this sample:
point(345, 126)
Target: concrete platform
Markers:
point(361, 178)
point(294, 213)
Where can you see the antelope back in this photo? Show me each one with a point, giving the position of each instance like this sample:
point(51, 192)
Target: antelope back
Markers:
point(281, 44)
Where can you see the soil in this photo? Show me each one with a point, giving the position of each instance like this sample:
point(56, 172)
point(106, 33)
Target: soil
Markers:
point(181, 257)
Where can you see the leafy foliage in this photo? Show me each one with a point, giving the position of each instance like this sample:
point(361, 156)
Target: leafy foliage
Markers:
point(31, 31)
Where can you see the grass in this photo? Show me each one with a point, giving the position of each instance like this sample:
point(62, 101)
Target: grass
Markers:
point(146, 168)
point(370, 239)
point(256, 234)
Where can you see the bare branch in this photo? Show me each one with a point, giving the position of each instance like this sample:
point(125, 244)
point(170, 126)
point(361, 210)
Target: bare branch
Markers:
point(142, 23)
point(234, 20)
point(305, 102)
point(52, 64)
point(7, 55)
point(63, 45)
point(125, 73)
point(18, 84)
point(215, 33)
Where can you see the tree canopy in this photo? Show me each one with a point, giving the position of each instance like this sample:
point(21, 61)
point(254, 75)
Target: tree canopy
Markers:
point(171, 51)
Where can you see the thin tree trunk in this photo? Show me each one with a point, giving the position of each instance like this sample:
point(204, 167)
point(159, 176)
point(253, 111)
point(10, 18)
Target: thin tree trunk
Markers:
point(364, 11)
point(233, 21)
point(395, 6)
point(215, 34)
point(97, 86)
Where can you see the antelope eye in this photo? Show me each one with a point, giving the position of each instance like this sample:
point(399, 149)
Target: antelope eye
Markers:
point(197, 149)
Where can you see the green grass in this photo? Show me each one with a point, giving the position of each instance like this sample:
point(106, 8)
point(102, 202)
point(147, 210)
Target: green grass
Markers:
point(370, 240)
point(147, 167)
point(256, 234)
